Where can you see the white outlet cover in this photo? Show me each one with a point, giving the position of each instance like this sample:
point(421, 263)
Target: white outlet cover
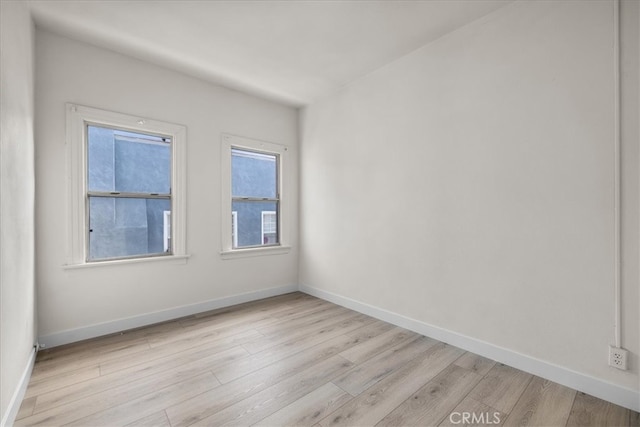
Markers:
point(618, 357)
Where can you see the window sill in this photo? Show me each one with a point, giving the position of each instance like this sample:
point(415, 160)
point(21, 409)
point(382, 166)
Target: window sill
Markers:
point(252, 252)
point(172, 259)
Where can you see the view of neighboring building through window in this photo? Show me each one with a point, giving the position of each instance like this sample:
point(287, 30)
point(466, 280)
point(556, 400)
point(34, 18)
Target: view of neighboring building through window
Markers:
point(234, 228)
point(269, 227)
point(128, 193)
point(255, 198)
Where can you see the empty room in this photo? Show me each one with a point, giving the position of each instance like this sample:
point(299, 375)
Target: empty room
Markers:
point(320, 213)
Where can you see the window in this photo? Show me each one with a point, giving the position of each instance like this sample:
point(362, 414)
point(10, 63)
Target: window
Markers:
point(126, 187)
point(253, 177)
point(128, 193)
point(254, 191)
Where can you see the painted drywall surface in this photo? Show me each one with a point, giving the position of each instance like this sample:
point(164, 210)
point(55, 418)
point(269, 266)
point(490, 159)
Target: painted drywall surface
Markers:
point(17, 322)
point(470, 185)
point(630, 179)
point(71, 71)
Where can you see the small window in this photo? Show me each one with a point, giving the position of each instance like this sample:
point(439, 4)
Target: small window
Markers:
point(127, 188)
point(254, 178)
point(254, 184)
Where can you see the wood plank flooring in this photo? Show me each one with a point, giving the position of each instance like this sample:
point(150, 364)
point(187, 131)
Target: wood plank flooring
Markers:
point(292, 360)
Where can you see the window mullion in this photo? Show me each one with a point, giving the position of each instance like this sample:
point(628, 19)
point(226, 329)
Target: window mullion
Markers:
point(254, 199)
point(120, 194)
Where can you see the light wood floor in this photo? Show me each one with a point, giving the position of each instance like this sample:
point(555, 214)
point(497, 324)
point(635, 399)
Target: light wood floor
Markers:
point(292, 360)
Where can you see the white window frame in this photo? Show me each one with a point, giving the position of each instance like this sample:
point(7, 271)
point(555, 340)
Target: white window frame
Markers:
point(229, 248)
point(78, 117)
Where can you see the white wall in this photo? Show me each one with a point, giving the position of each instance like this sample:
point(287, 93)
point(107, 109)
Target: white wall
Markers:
point(470, 186)
point(17, 319)
point(73, 300)
point(630, 183)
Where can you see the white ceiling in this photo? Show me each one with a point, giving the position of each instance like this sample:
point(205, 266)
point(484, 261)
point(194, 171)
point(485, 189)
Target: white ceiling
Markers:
point(288, 51)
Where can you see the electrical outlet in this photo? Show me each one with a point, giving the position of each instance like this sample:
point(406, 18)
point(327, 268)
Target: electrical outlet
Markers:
point(618, 357)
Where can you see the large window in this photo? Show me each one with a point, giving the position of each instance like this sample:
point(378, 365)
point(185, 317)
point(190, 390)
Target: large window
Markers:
point(253, 200)
point(126, 187)
point(128, 193)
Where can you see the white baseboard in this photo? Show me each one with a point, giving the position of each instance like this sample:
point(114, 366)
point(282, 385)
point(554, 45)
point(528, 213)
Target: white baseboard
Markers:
point(100, 329)
point(10, 415)
point(604, 390)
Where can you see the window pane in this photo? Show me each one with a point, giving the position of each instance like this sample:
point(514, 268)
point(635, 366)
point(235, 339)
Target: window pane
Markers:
point(253, 174)
point(128, 161)
point(122, 227)
point(256, 223)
